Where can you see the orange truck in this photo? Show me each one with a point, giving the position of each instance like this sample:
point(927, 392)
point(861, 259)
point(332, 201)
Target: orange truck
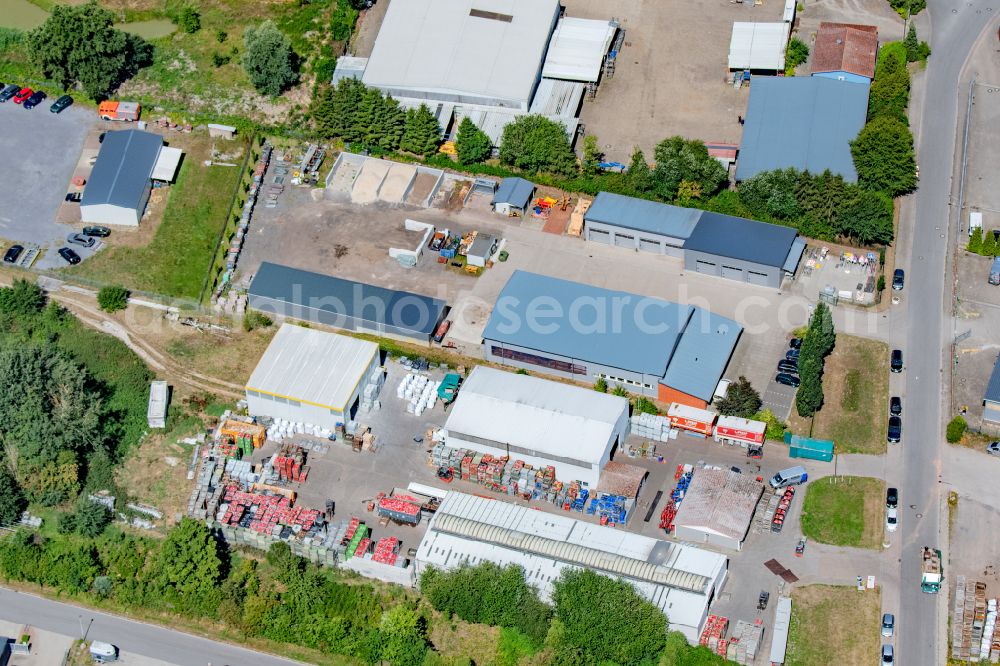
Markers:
point(124, 111)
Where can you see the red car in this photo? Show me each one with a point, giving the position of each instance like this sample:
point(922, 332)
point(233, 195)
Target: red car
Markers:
point(24, 94)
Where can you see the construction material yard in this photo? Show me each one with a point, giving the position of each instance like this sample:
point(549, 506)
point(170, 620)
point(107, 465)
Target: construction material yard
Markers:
point(825, 626)
point(844, 511)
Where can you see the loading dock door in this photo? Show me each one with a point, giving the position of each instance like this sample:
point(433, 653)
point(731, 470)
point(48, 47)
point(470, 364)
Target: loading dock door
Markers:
point(706, 267)
point(599, 236)
point(732, 273)
point(757, 278)
point(647, 245)
point(673, 251)
point(621, 240)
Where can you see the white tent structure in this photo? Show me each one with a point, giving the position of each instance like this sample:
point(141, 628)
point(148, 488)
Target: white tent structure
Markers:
point(577, 49)
point(758, 46)
point(538, 421)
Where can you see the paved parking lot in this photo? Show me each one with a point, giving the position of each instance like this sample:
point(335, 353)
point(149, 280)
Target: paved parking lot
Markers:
point(45, 148)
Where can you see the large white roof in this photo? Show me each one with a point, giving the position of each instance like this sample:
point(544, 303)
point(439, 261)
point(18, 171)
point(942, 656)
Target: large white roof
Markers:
point(474, 51)
point(758, 46)
point(314, 367)
point(678, 579)
point(544, 416)
point(577, 49)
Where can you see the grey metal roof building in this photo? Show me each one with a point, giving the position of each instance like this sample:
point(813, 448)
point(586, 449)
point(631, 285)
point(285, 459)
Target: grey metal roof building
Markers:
point(802, 122)
point(718, 508)
point(639, 224)
point(991, 397)
point(514, 194)
point(119, 184)
point(354, 306)
point(651, 346)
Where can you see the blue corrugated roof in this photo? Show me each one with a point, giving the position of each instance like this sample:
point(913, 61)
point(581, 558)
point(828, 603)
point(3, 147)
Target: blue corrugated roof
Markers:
point(615, 328)
point(347, 298)
point(514, 191)
point(794, 255)
point(740, 238)
point(993, 388)
point(643, 215)
point(121, 173)
point(703, 354)
point(804, 122)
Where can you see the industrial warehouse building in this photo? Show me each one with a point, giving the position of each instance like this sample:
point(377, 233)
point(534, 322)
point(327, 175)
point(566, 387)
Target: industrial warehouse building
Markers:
point(675, 353)
point(123, 175)
point(680, 580)
point(711, 243)
point(991, 398)
point(845, 51)
point(310, 376)
point(488, 60)
point(354, 306)
point(538, 421)
point(744, 250)
point(638, 224)
point(803, 122)
point(718, 508)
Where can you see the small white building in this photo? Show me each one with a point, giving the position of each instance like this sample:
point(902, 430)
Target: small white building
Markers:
point(538, 421)
point(156, 411)
point(680, 580)
point(481, 250)
point(314, 377)
point(758, 47)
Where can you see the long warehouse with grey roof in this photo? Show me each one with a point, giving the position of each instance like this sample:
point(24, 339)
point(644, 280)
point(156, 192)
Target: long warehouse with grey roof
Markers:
point(673, 352)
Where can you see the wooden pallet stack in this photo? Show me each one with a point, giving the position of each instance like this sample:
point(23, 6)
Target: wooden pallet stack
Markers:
point(978, 620)
point(959, 639)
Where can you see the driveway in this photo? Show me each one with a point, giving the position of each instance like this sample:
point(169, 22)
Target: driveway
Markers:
point(47, 148)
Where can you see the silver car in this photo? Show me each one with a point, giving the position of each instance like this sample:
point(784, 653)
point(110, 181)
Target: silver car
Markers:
point(888, 625)
point(80, 239)
point(993, 448)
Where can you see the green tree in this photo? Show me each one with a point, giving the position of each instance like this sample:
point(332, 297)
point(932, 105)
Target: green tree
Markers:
point(601, 385)
point(79, 44)
point(772, 194)
point(889, 93)
point(188, 565)
point(639, 176)
point(797, 53)
point(91, 518)
point(678, 652)
point(883, 157)
point(22, 299)
point(775, 426)
point(868, 218)
point(592, 156)
point(975, 245)
point(679, 159)
point(991, 247)
point(12, 500)
point(345, 103)
point(821, 196)
point(956, 430)
point(422, 132)
point(818, 342)
point(391, 122)
point(112, 298)
point(268, 59)
point(630, 629)
point(742, 399)
point(342, 20)
point(908, 8)
point(189, 19)
point(404, 635)
point(619, 391)
point(535, 143)
point(472, 145)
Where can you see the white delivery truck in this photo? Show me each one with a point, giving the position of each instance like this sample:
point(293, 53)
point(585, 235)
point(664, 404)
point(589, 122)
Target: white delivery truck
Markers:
point(975, 221)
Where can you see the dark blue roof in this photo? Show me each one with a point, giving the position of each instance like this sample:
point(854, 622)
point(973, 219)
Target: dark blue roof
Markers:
point(346, 298)
point(686, 346)
point(121, 173)
point(642, 215)
point(514, 191)
point(740, 238)
point(993, 388)
point(805, 122)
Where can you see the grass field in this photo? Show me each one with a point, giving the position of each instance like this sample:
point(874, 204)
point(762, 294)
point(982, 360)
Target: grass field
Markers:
point(833, 625)
point(844, 512)
point(856, 397)
point(176, 259)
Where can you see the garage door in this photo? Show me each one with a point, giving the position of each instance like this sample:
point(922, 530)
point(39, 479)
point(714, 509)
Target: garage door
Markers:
point(621, 240)
point(757, 278)
point(599, 236)
point(673, 251)
point(732, 273)
point(647, 245)
point(707, 267)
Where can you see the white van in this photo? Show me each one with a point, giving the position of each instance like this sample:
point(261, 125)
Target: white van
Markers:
point(792, 476)
point(103, 653)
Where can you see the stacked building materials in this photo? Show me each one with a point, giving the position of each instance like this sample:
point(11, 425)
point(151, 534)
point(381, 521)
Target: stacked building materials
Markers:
point(744, 642)
point(994, 646)
point(781, 512)
point(650, 426)
point(354, 538)
point(419, 392)
point(282, 429)
point(611, 509)
point(713, 635)
point(646, 450)
point(959, 640)
point(989, 628)
point(398, 509)
point(978, 621)
point(683, 475)
point(373, 388)
point(386, 551)
point(289, 463)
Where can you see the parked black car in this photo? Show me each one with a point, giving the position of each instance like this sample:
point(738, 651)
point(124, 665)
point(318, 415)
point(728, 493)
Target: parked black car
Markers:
point(792, 354)
point(12, 254)
point(35, 99)
point(895, 405)
point(895, 429)
point(9, 91)
point(787, 379)
point(60, 104)
point(99, 232)
point(897, 279)
point(891, 498)
point(896, 361)
point(74, 197)
point(795, 343)
point(69, 255)
point(788, 366)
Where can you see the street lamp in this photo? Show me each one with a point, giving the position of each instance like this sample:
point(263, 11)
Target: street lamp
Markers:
point(83, 634)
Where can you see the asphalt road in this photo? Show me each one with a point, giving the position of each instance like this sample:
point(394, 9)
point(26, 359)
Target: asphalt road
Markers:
point(955, 28)
point(130, 636)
